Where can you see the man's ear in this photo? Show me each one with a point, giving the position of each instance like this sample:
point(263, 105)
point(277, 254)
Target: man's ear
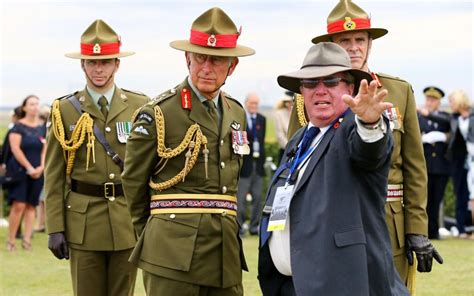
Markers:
point(232, 65)
point(82, 65)
point(188, 59)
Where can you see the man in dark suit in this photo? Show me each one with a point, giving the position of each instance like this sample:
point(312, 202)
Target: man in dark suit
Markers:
point(251, 175)
point(435, 127)
point(330, 192)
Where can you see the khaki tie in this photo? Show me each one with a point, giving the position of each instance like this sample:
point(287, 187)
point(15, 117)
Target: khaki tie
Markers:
point(103, 106)
point(211, 108)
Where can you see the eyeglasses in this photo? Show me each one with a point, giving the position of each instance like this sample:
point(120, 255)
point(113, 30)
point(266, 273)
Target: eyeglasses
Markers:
point(215, 60)
point(327, 81)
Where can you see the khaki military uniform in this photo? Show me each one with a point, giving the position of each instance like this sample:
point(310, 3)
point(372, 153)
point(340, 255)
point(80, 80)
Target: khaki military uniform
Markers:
point(92, 224)
point(195, 248)
point(407, 167)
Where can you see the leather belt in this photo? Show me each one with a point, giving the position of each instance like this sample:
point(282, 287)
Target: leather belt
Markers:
point(394, 192)
point(108, 190)
point(193, 204)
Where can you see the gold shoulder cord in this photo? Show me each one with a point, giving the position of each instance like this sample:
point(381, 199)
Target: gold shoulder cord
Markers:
point(192, 141)
point(300, 110)
point(83, 126)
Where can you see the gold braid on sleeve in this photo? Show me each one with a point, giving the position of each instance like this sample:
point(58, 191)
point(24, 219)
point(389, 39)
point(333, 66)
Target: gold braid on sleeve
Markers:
point(84, 126)
point(192, 141)
point(300, 110)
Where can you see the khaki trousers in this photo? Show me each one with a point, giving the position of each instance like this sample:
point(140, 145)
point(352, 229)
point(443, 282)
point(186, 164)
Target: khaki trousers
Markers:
point(102, 273)
point(156, 285)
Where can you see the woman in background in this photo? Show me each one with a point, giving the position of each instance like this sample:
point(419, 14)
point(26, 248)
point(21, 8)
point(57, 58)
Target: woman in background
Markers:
point(461, 153)
point(282, 119)
point(27, 144)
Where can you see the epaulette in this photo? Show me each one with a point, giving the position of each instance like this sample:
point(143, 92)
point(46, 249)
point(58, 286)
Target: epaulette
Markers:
point(134, 92)
point(390, 77)
point(163, 96)
point(66, 96)
point(227, 96)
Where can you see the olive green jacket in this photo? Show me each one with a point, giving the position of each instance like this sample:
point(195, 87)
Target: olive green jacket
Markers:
point(90, 223)
point(202, 249)
point(407, 167)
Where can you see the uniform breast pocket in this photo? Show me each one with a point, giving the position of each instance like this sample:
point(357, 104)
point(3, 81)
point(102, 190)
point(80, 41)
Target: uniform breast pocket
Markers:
point(76, 213)
point(169, 240)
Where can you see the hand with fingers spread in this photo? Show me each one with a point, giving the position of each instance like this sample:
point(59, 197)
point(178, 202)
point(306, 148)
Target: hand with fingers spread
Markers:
point(368, 105)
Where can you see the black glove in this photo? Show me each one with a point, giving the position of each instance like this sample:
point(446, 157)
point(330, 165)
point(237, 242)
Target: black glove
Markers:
point(58, 245)
point(424, 250)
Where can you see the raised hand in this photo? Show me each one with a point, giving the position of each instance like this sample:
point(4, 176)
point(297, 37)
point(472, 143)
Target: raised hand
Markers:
point(368, 105)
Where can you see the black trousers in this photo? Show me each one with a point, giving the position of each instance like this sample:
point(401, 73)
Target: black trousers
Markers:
point(436, 187)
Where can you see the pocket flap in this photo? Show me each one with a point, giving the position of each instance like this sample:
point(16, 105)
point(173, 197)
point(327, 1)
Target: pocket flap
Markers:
point(78, 203)
point(349, 237)
point(185, 219)
point(396, 206)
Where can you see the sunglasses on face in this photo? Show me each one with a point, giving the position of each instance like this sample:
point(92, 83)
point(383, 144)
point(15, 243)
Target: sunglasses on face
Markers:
point(327, 81)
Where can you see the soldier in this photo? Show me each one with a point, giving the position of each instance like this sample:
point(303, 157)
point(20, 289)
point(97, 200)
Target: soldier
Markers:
point(349, 26)
point(435, 127)
point(181, 171)
point(87, 217)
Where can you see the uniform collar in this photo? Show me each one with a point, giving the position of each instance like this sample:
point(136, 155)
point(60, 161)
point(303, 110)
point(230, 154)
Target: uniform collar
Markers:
point(201, 97)
point(95, 96)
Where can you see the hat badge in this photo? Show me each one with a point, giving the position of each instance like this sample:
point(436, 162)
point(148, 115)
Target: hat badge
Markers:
point(349, 24)
point(96, 48)
point(211, 41)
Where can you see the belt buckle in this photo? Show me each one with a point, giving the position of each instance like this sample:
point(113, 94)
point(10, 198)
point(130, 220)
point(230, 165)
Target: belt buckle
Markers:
point(109, 191)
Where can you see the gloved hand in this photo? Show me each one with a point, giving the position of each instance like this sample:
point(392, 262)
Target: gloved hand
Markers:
point(424, 250)
point(58, 246)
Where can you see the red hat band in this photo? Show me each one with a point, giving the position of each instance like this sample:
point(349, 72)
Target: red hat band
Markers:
point(213, 40)
point(348, 24)
point(100, 49)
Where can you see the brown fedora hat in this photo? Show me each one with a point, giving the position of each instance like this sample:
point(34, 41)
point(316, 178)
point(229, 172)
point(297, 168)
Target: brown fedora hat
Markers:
point(99, 41)
point(322, 59)
point(348, 17)
point(213, 33)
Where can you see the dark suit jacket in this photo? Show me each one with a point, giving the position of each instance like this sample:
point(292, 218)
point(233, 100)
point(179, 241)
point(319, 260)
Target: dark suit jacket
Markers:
point(247, 167)
point(339, 240)
point(435, 154)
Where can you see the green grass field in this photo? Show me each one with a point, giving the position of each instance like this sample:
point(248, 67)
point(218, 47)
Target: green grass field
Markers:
point(39, 273)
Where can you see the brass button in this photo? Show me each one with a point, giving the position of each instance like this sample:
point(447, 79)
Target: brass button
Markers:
point(224, 189)
point(433, 154)
point(222, 165)
point(108, 129)
point(224, 213)
point(69, 206)
point(173, 91)
point(111, 176)
point(222, 142)
point(172, 216)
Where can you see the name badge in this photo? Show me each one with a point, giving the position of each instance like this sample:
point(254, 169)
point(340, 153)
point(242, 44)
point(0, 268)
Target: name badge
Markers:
point(123, 131)
point(280, 208)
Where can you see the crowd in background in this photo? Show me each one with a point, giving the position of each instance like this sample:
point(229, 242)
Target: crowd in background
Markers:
point(448, 140)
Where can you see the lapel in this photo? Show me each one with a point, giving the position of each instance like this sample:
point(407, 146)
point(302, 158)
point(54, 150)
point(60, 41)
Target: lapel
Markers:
point(198, 112)
point(88, 105)
point(317, 154)
point(118, 104)
point(227, 117)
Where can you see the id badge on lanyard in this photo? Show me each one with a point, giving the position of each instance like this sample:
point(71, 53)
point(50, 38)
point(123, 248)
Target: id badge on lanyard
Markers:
point(280, 208)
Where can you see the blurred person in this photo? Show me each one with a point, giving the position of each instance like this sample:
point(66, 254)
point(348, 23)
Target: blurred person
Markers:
point(86, 213)
point(28, 146)
point(324, 218)
point(182, 167)
point(282, 119)
point(349, 26)
point(252, 172)
point(14, 116)
point(435, 127)
point(461, 154)
point(45, 112)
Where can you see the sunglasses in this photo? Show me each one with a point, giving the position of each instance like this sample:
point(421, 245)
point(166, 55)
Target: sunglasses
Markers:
point(327, 81)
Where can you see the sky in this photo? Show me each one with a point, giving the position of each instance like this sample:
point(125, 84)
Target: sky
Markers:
point(429, 43)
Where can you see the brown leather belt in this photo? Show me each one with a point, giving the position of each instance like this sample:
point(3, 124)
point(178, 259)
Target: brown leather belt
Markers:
point(108, 190)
